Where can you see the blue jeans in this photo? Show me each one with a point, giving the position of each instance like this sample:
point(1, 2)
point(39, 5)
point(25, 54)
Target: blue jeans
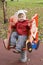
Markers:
point(18, 40)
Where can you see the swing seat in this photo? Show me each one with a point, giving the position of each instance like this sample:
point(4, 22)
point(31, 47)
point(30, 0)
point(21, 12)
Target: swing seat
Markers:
point(28, 46)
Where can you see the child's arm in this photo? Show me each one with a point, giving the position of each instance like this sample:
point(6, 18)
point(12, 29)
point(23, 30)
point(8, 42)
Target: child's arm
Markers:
point(12, 21)
point(29, 23)
point(29, 30)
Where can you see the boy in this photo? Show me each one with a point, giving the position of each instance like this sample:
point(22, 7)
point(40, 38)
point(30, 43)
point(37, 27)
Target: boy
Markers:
point(20, 31)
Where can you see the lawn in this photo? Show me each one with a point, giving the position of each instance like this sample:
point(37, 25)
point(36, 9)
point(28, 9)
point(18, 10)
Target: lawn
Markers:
point(32, 6)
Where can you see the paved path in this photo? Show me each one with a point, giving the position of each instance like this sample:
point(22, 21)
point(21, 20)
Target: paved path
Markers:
point(9, 58)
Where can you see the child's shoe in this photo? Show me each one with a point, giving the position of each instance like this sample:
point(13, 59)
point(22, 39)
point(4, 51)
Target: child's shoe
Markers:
point(16, 51)
point(23, 56)
point(29, 47)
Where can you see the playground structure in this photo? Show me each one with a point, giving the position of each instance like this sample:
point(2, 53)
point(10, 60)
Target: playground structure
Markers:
point(34, 28)
point(28, 46)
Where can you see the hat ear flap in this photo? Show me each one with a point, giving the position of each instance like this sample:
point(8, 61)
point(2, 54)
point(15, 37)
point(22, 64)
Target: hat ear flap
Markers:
point(25, 11)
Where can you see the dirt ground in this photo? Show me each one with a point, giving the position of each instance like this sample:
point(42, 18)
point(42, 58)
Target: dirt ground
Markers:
point(10, 58)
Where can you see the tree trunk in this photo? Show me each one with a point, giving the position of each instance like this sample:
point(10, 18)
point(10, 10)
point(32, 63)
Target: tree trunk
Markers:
point(4, 11)
point(12, 0)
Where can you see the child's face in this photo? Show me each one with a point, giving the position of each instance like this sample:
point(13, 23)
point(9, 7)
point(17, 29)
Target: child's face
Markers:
point(21, 17)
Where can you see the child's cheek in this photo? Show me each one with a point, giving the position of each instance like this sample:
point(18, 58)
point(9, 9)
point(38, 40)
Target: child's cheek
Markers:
point(21, 20)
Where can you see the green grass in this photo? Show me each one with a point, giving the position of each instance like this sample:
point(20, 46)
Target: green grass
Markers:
point(32, 6)
point(29, 0)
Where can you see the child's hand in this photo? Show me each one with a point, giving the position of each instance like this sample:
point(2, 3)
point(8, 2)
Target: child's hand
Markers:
point(12, 23)
point(13, 20)
point(28, 24)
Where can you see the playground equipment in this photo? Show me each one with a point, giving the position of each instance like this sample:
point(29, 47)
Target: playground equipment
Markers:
point(34, 34)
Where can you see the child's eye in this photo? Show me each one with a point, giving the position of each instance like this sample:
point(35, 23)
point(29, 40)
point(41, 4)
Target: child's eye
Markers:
point(22, 15)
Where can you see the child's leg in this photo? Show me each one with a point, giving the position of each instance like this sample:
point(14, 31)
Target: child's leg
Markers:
point(23, 57)
point(13, 39)
point(12, 42)
point(20, 43)
point(29, 43)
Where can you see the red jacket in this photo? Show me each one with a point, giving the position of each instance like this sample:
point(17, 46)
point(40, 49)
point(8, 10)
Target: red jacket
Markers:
point(22, 28)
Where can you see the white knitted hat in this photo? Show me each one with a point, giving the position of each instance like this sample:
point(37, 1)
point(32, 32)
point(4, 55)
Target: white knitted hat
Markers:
point(23, 12)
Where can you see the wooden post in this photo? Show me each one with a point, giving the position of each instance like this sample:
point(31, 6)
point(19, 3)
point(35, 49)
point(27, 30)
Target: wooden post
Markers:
point(4, 11)
point(12, 0)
